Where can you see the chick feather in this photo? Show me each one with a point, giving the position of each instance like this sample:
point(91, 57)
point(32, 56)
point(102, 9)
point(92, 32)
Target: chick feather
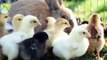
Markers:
point(57, 29)
point(3, 19)
point(10, 42)
point(33, 48)
point(3, 31)
point(50, 25)
point(74, 46)
point(96, 30)
point(16, 22)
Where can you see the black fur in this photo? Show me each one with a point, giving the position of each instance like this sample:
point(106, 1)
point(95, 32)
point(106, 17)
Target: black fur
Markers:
point(34, 48)
point(105, 33)
point(41, 36)
point(84, 22)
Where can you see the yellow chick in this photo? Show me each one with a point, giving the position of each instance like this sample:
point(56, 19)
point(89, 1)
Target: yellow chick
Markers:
point(3, 19)
point(17, 19)
point(57, 30)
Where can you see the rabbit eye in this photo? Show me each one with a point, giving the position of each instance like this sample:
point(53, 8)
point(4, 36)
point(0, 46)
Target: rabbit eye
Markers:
point(63, 16)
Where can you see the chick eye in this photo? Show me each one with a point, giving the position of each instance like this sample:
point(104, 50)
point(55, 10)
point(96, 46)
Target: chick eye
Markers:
point(65, 23)
point(34, 21)
point(6, 17)
point(19, 19)
point(83, 32)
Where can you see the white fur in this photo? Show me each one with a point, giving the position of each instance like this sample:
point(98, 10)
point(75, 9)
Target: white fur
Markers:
point(10, 42)
point(74, 46)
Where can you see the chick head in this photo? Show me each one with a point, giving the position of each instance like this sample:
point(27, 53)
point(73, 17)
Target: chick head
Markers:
point(80, 32)
point(30, 21)
point(62, 23)
point(4, 17)
point(50, 21)
point(95, 19)
point(17, 19)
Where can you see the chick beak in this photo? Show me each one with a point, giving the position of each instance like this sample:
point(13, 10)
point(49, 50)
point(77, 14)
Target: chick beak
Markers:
point(39, 24)
point(9, 18)
point(88, 34)
point(69, 25)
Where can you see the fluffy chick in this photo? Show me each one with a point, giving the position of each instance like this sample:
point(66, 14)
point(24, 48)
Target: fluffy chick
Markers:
point(74, 46)
point(3, 19)
point(17, 19)
point(96, 30)
point(28, 25)
point(33, 48)
point(57, 31)
point(9, 42)
point(50, 23)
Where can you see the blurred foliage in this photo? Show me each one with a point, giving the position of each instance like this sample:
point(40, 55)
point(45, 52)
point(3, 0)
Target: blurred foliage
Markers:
point(83, 8)
point(74, 0)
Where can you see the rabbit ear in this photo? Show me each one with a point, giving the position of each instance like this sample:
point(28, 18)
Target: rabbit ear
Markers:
point(53, 4)
point(60, 2)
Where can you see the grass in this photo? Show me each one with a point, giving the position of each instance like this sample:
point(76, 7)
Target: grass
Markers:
point(84, 8)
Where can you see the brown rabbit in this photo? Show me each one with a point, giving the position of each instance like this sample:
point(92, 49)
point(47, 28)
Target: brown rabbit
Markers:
point(43, 9)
